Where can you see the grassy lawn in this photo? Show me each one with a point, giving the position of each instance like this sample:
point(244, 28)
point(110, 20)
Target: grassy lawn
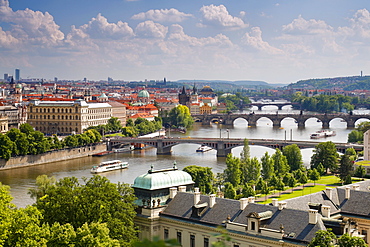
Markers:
point(296, 192)
point(325, 181)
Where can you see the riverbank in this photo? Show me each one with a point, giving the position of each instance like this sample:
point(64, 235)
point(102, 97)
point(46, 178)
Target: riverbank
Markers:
point(52, 156)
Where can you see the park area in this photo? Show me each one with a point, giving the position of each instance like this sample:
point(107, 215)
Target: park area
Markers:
point(330, 181)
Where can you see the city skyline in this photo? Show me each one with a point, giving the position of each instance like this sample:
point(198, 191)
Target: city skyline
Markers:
point(272, 41)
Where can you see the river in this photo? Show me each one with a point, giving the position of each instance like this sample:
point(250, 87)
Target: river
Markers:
point(21, 179)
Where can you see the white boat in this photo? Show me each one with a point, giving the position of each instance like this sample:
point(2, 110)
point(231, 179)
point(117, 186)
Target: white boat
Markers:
point(124, 149)
point(203, 149)
point(111, 165)
point(322, 134)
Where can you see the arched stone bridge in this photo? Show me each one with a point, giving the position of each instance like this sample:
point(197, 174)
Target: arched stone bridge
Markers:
point(279, 105)
point(228, 119)
point(222, 145)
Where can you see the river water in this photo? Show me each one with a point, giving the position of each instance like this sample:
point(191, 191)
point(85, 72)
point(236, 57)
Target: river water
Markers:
point(21, 179)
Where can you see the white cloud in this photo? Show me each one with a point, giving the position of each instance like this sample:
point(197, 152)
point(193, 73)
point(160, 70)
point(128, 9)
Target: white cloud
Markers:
point(149, 29)
point(254, 39)
point(100, 28)
point(162, 15)
point(359, 25)
point(7, 40)
point(219, 16)
point(304, 27)
point(30, 26)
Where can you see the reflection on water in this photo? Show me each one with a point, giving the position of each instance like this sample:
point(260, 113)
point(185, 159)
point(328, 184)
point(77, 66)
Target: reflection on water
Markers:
point(21, 179)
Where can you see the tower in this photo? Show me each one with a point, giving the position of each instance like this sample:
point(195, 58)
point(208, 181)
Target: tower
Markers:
point(17, 75)
point(184, 99)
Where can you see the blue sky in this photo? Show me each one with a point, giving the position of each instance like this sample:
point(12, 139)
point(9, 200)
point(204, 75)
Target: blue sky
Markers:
point(275, 41)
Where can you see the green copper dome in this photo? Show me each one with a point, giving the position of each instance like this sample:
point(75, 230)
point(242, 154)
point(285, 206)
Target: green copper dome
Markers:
point(161, 179)
point(143, 94)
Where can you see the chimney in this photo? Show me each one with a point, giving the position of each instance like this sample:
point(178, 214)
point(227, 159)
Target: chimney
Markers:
point(275, 202)
point(329, 192)
point(251, 199)
point(243, 203)
point(182, 188)
point(173, 192)
point(281, 205)
point(312, 216)
point(212, 200)
point(348, 192)
point(196, 196)
point(356, 187)
point(325, 210)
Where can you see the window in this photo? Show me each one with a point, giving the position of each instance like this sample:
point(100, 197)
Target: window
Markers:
point(235, 245)
point(364, 232)
point(165, 234)
point(253, 226)
point(192, 240)
point(179, 237)
point(206, 242)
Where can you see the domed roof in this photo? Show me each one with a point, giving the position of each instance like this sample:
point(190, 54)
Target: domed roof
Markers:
point(207, 89)
point(143, 94)
point(103, 95)
point(18, 86)
point(161, 179)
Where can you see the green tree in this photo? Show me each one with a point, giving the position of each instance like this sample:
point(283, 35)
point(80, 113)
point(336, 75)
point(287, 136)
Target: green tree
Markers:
point(71, 141)
point(202, 176)
point(114, 124)
point(245, 162)
point(20, 140)
point(325, 153)
point(253, 169)
point(351, 241)
point(303, 179)
point(280, 186)
point(267, 164)
point(26, 128)
point(294, 157)
point(229, 191)
point(180, 117)
point(360, 171)
point(314, 175)
point(323, 239)
point(232, 171)
point(281, 166)
point(129, 131)
point(248, 191)
point(345, 168)
point(6, 147)
point(355, 136)
point(97, 200)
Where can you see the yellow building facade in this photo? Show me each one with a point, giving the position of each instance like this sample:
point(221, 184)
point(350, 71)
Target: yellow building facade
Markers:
point(66, 117)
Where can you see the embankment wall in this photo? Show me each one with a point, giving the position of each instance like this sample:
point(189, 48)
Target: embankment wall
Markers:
point(52, 156)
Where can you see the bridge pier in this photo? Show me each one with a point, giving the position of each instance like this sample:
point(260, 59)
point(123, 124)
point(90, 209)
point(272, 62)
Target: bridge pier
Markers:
point(221, 150)
point(325, 124)
point(109, 146)
point(301, 123)
point(276, 122)
point(161, 150)
point(350, 123)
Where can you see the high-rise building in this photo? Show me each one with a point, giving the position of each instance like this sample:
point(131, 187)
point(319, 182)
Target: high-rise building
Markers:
point(6, 76)
point(17, 74)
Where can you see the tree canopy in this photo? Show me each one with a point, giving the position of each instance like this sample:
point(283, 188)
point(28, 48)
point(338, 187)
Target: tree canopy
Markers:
point(67, 201)
point(325, 153)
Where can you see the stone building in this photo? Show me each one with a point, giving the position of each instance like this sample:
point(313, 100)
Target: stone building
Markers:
point(200, 220)
point(367, 145)
point(66, 117)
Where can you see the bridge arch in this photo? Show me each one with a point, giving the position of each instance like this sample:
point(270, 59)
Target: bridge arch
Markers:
point(360, 120)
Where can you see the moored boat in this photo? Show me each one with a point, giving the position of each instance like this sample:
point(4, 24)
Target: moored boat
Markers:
point(322, 134)
point(111, 165)
point(203, 149)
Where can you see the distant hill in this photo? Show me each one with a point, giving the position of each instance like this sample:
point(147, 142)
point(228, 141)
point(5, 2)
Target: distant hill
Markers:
point(230, 85)
point(349, 83)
